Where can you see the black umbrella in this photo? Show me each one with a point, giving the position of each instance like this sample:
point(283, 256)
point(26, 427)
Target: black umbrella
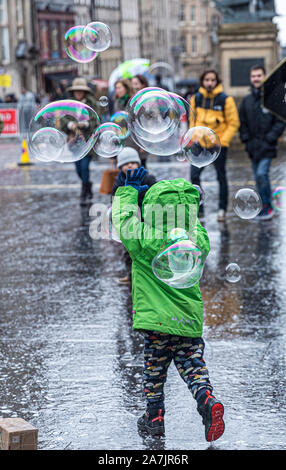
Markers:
point(274, 91)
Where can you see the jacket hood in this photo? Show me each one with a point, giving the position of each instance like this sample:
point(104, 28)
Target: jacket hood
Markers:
point(216, 91)
point(174, 194)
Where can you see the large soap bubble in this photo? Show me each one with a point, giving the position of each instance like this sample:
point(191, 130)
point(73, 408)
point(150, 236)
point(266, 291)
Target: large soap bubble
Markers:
point(167, 135)
point(279, 198)
point(97, 36)
point(247, 203)
point(180, 264)
point(75, 46)
point(201, 145)
point(63, 131)
point(109, 140)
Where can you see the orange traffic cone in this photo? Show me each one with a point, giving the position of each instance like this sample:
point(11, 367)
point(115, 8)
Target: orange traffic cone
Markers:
point(25, 160)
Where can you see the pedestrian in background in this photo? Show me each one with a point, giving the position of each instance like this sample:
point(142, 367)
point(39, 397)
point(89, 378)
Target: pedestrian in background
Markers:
point(27, 108)
point(123, 93)
point(214, 109)
point(260, 131)
point(81, 92)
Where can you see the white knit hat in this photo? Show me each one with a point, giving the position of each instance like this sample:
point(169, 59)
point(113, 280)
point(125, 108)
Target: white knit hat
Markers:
point(128, 155)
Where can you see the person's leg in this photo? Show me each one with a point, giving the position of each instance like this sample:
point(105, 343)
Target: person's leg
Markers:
point(82, 169)
point(157, 358)
point(191, 366)
point(195, 179)
point(261, 171)
point(220, 166)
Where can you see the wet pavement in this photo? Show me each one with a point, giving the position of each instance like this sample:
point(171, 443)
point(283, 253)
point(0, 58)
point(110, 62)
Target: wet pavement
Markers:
point(70, 362)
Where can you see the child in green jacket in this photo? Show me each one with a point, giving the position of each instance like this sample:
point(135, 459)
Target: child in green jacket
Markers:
point(171, 318)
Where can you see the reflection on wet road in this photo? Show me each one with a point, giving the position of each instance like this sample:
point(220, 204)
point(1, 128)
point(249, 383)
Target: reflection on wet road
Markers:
point(70, 362)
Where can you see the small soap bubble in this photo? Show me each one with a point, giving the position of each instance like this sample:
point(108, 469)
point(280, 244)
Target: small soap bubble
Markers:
point(121, 118)
point(201, 145)
point(232, 273)
point(103, 101)
point(108, 140)
point(247, 203)
point(279, 198)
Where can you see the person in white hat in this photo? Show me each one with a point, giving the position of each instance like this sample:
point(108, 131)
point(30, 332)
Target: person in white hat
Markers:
point(128, 159)
point(81, 92)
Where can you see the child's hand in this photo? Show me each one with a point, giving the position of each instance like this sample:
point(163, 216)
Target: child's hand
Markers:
point(135, 179)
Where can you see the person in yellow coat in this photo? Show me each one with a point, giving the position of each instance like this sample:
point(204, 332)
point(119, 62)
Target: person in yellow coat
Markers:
point(218, 111)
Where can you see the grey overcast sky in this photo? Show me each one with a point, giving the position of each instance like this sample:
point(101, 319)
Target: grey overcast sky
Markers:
point(281, 21)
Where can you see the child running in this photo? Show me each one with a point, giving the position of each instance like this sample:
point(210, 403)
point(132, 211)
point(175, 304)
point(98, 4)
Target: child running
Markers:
point(171, 319)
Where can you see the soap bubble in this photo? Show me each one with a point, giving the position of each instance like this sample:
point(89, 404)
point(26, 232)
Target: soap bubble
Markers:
point(44, 140)
point(180, 264)
point(201, 145)
point(178, 233)
point(108, 140)
point(63, 131)
point(232, 273)
point(75, 47)
point(152, 113)
point(180, 156)
point(103, 101)
point(97, 36)
point(121, 118)
point(279, 198)
point(158, 121)
point(202, 193)
point(247, 203)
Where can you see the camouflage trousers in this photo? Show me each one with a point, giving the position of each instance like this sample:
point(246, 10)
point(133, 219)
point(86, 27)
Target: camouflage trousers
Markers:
point(187, 353)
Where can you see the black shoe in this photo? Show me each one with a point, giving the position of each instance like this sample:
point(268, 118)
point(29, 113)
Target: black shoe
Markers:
point(152, 424)
point(212, 411)
point(83, 194)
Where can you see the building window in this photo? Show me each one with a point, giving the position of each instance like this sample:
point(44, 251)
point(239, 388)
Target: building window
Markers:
point(182, 12)
point(44, 39)
point(55, 40)
point(5, 49)
point(193, 14)
point(3, 12)
point(194, 45)
point(204, 45)
point(183, 43)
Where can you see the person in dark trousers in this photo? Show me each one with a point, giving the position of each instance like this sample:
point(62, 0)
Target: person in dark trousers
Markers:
point(128, 159)
point(260, 131)
point(81, 92)
point(214, 109)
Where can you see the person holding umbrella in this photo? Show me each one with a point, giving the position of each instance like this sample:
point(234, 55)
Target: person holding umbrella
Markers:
point(81, 92)
point(260, 131)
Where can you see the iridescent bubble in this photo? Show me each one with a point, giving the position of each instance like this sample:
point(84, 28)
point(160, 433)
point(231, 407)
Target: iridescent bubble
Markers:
point(201, 145)
point(97, 36)
point(180, 264)
point(121, 118)
point(247, 203)
point(279, 198)
point(63, 131)
point(108, 140)
point(171, 126)
point(180, 156)
point(103, 101)
point(75, 47)
point(232, 273)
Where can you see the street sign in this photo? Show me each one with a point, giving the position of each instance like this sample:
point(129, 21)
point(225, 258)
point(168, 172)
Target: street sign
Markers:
point(274, 91)
point(9, 116)
point(5, 81)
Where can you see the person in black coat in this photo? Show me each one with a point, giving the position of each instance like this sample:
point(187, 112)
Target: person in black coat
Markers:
point(260, 131)
point(128, 158)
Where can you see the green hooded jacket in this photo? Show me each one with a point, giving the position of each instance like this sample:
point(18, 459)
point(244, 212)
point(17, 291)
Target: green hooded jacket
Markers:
point(157, 306)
